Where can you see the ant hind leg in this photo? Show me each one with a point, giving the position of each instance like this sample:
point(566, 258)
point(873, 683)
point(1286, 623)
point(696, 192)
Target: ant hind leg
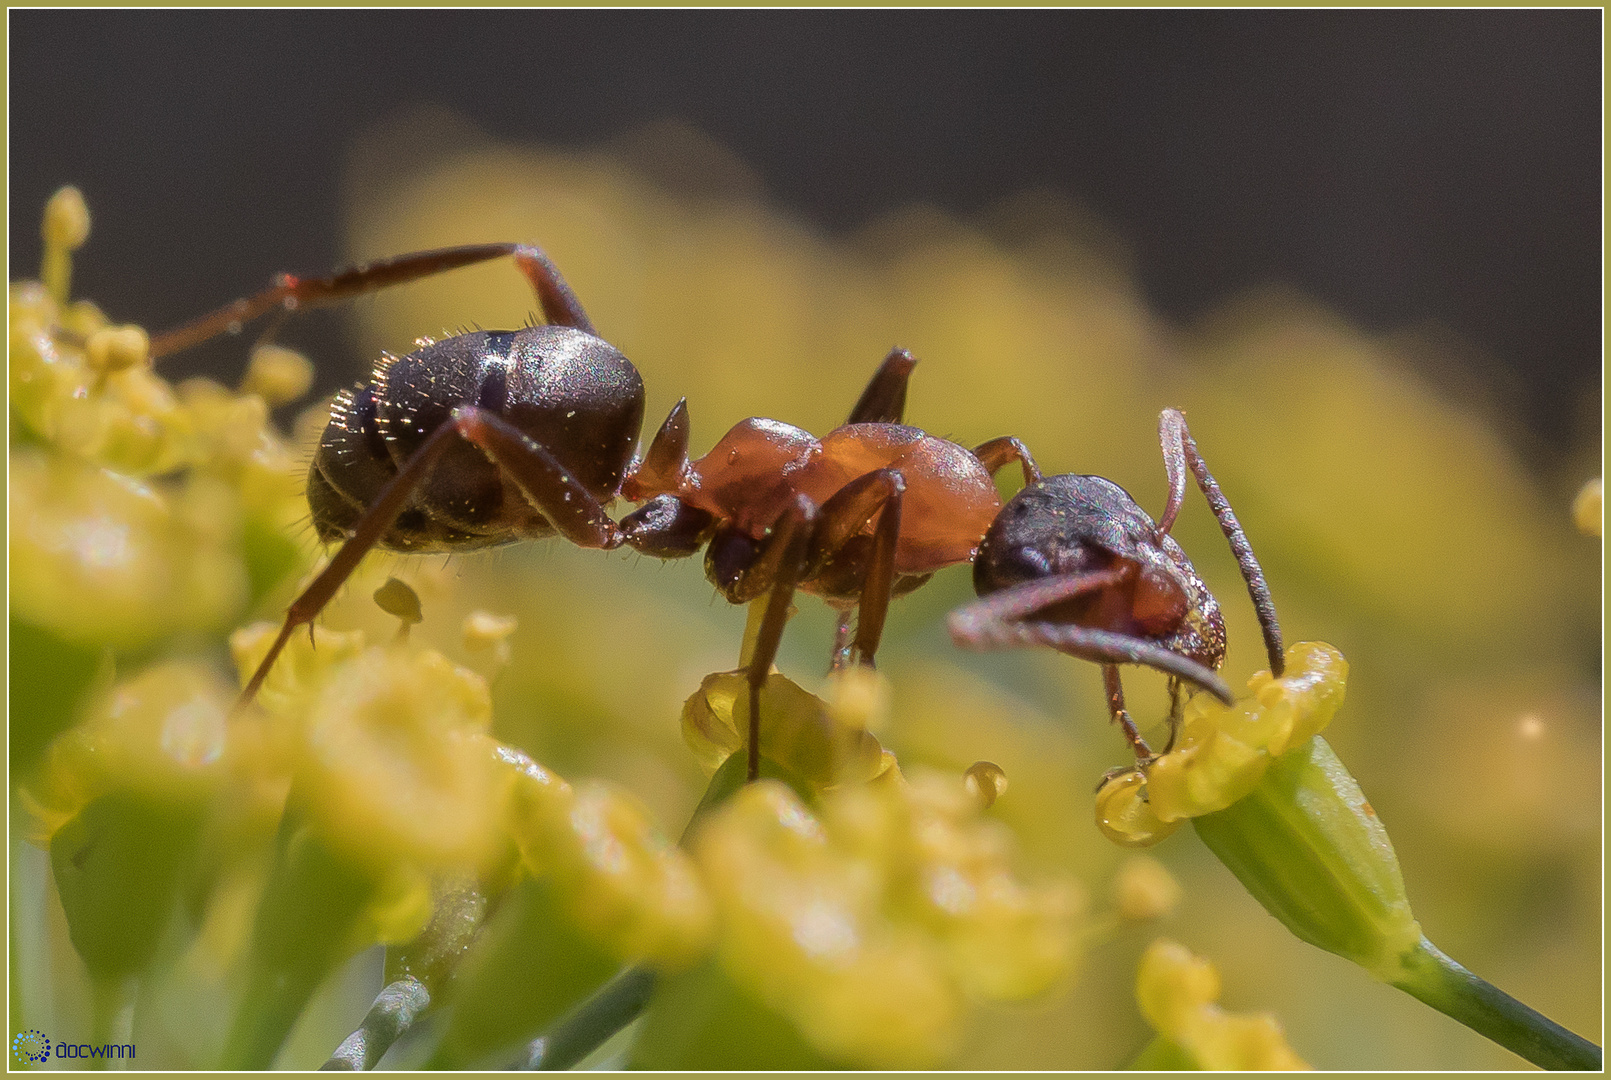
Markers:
point(290, 293)
point(573, 510)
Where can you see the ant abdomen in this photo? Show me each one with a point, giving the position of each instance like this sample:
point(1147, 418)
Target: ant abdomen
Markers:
point(572, 394)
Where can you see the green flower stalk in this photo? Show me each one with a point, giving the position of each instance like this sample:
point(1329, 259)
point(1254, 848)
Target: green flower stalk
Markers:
point(1309, 847)
point(395, 783)
point(121, 804)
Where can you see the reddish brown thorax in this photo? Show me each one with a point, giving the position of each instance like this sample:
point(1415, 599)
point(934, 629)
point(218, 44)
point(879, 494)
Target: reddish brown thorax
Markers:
point(757, 467)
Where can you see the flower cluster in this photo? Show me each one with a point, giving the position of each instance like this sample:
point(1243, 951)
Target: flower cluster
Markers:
point(871, 922)
point(140, 510)
point(861, 912)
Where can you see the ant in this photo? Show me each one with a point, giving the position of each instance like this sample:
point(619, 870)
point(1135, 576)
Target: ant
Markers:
point(489, 437)
point(1073, 563)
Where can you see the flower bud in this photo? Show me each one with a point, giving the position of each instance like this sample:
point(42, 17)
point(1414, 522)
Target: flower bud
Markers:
point(160, 735)
point(121, 804)
point(618, 879)
point(1177, 993)
point(67, 220)
point(393, 762)
point(1144, 889)
point(276, 374)
point(117, 348)
point(101, 558)
point(823, 743)
point(1222, 751)
point(1309, 848)
point(66, 227)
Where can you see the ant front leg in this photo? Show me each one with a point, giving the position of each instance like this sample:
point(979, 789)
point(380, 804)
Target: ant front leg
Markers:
point(1001, 621)
point(1121, 715)
point(1179, 454)
point(569, 506)
point(997, 453)
point(290, 293)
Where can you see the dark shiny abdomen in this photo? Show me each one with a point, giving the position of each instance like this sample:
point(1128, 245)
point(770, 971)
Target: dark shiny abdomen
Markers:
point(572, 393)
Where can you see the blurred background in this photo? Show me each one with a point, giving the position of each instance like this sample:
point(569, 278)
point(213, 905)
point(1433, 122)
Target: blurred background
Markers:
point(1360, 249)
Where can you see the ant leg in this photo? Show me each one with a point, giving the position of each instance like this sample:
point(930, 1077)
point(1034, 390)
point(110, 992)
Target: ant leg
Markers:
point(1179, 453)
point(1121, 715)
point(572, 509)
point(783, 561)
point(1175, 716)
point(998, 452)
point(843, 517)
point(841, 641)
point(559, 303)
point(997, 622)
point(884, 400)
point(290, 293)
point(565, 501)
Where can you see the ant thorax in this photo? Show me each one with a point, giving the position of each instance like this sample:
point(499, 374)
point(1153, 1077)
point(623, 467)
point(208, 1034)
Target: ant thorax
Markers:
point(759, 465)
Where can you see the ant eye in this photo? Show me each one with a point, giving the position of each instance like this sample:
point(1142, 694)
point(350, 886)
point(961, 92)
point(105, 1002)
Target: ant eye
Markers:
point(1023, 564)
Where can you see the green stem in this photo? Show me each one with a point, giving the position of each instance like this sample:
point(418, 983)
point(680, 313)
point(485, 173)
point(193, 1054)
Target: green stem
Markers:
point(112, 1015)
point(1452, 990)
point(592, 1023)
point(394, 1012)
point(305, 922)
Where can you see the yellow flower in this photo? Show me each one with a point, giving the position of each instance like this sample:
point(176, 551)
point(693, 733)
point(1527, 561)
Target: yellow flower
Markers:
point(824, 743)
point(1144, 889)
point(392, 753)
point(1223, 751)
point(618, 879)
point(1177, 992)
point(872, 925)
point(161, 735)
point(277, 375)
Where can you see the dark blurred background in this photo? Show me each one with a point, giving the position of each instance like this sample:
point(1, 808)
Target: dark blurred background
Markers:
point(1409, 169)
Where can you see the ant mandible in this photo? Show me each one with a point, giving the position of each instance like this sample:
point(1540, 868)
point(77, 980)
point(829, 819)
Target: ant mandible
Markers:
point(1073, 563)
point(490, 437)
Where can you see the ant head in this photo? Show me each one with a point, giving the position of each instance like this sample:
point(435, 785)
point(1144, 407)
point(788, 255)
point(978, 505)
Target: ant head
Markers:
point(1071, 525)
point(1065, 524)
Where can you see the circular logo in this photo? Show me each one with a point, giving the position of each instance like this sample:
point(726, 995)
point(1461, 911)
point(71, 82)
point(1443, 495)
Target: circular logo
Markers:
point(31, 1045)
